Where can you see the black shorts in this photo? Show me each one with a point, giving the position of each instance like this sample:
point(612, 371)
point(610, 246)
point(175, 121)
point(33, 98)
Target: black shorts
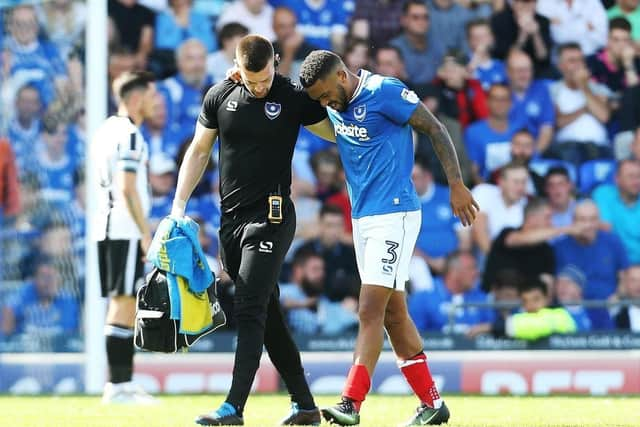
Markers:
point(121, 267)
point(248, 241)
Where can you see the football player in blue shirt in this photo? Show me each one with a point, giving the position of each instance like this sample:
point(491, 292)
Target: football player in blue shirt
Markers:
point(372, 116)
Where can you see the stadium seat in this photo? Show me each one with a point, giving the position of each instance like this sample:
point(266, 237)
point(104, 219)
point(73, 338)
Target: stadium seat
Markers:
point(541, 166)
point(596, 172)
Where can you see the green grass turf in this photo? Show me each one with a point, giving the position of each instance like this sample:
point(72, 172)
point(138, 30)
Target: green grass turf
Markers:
point(267, 410)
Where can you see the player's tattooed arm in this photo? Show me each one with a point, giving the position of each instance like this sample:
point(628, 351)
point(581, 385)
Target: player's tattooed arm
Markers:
point(423, 121)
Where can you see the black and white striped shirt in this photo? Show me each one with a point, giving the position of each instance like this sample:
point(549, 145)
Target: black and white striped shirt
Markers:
point(118, 146)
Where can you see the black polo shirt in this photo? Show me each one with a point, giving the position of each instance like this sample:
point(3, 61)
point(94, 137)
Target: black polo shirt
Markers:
point(257, 137)
point(530, 260)
point(130, 21)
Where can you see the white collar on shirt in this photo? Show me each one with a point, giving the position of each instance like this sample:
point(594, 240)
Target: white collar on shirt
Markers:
point(364, 75)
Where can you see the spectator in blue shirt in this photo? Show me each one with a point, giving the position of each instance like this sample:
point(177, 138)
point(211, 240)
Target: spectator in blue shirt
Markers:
point(290, 42)
point(30, 59)
point(322, 22)
point(54, 164)
point(430, 310)
point(599, 254)
point(422, 55)
point(488, 141)
point(569, 285)
point(40, 309)
point(620, 206)
point(162, 135)
point(440, 233)
point(559, 189)
point(24, 128)
point(179, 23)
point(307, 308)
point(185, 90)
point(532, 106)
point(482, 65)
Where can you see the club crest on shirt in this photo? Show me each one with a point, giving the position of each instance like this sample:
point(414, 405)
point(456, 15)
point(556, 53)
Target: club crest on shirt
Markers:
point(272, 110)
point(360, 112)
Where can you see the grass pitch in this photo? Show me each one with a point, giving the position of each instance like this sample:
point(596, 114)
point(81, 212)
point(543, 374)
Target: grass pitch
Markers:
point(267, 410)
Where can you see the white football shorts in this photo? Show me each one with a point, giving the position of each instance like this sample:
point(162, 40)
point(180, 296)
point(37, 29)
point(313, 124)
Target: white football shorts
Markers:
point(384, 246)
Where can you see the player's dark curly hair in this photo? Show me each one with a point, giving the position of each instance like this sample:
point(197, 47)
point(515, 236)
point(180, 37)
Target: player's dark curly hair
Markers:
point(317, 65)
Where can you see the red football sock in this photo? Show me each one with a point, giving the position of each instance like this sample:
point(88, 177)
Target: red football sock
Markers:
point(357, 386)
point(416, 371)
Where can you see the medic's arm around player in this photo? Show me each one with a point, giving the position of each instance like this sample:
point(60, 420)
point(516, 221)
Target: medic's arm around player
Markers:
point(323, 129)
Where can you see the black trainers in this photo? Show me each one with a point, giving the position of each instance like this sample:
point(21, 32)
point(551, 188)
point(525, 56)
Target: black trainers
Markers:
point(426, 415)
point(343, 414)
point(225, 415)
point(302, 417)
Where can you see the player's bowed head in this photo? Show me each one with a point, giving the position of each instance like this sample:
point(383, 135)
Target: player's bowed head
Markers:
point(327, 79)
point(255, 61)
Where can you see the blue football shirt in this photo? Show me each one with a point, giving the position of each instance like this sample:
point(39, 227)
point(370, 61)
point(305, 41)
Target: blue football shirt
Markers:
point(376, 146)
point(487, 148)
point(534, 110)
point(491, 73)
point(430, 309)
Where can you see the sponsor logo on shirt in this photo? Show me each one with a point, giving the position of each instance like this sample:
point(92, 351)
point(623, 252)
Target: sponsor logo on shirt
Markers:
point(232, 106)
point(265, 246)
point(352, 131)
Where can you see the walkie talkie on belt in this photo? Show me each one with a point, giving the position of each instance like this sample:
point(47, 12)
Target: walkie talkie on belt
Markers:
point(275, 208)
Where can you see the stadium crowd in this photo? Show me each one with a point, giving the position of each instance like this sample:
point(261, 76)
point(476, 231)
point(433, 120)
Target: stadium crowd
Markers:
point(541, 98)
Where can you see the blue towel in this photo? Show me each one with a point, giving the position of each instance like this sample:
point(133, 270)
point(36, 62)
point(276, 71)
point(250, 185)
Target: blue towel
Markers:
point(176, 250)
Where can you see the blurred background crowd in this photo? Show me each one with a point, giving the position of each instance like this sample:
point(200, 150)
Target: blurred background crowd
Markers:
point(541, 98)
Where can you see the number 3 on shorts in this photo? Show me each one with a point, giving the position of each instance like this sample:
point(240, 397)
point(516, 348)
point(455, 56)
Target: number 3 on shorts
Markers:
point(391, 250)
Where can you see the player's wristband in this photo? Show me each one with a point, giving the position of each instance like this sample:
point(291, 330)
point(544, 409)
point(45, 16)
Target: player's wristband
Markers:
point(178, 207)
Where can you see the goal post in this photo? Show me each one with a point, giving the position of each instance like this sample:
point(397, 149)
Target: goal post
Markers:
point(96, 108)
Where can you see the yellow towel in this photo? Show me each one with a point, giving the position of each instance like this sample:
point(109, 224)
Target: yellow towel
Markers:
point(195, 309)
